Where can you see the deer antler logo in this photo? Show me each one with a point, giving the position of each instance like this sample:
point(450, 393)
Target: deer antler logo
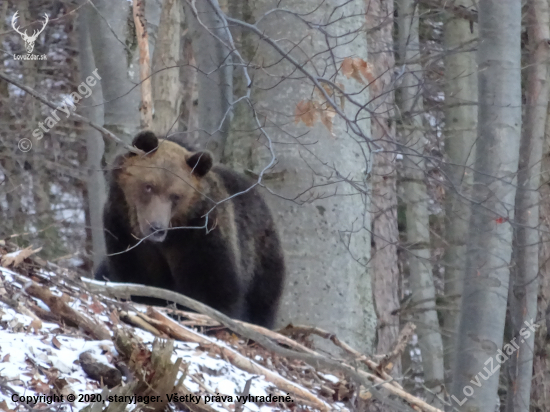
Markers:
point(29, 40)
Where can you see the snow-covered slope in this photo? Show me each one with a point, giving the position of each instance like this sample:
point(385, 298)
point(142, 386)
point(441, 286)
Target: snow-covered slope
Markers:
point(41, 358)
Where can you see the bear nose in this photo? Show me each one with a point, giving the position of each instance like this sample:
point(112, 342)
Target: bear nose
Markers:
point(155, 227)
point(157, 230)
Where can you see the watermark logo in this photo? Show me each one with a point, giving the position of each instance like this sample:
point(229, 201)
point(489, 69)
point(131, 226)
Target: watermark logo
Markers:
point(66, 107)
point(501, 356)
point(24, 145)
point(29, 40)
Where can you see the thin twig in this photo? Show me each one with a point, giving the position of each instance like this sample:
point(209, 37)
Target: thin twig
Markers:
point(106, 133)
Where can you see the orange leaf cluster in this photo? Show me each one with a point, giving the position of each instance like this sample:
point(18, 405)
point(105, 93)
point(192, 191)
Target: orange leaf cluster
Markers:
point(308, 110)
point(358, 69)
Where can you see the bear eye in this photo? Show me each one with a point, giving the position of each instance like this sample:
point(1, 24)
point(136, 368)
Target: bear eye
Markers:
point(148, 188)
point(174, 198)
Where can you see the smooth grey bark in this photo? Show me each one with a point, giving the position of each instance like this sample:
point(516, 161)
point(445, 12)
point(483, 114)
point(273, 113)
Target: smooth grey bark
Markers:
point(416, 200)
point(385, 236)
point(524, 279)
point(167, 91)
point(540, 385)
point(324, 222)
point(95, 145)
point(460, 137)
point(120, 74)
point(153, 11)
point(209, 39)
point(483, 306)
point(188, 76)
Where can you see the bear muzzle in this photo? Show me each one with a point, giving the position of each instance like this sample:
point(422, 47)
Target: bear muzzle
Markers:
point(157, 233)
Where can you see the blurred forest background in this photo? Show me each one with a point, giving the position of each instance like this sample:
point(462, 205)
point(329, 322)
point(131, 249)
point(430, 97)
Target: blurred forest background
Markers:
point(401, 144)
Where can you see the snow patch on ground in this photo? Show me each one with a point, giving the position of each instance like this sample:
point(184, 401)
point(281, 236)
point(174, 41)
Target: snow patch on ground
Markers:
point(30, 355)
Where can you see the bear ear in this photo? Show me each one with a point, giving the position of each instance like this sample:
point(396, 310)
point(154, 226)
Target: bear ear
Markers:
point(200, 163)
point(146, 141)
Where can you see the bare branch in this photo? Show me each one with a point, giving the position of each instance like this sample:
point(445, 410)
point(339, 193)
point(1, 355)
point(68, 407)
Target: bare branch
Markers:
point(106, 133)
point(458, 11)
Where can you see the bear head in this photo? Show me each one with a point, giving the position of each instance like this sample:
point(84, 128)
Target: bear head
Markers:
point(161, 184)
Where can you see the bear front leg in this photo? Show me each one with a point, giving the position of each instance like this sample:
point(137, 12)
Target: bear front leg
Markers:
point(208, 273)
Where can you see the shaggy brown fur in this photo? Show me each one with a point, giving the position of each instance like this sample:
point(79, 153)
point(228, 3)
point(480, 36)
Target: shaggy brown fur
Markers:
point(163, 214)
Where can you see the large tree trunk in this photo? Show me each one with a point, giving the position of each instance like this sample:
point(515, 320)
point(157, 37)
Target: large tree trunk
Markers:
point(524, 274)
point(94, 143)
point(215, 76)
point(324, 221)
point(385, 236)
point(541, 368)
point(483, 307)
point(460, 137)
point(416, 200)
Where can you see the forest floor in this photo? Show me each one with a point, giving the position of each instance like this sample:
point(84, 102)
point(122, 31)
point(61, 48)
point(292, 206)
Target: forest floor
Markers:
point(63, 347)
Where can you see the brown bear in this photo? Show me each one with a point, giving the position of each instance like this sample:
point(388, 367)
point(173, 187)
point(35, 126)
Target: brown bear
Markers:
point(171, 221)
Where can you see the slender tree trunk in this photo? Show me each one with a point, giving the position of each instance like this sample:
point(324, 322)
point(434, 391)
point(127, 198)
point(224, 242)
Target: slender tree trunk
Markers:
point(188, 77)
point(95, 146)
point(167, 93)
point(385, 236)
point(524, 273)
point(324, 221)
point(460, 137)
point(483, 306)
point(38, 179)
point(416, 199)
point(119, 75)
point(142, 37)
point(215, 75)
point(10, 202)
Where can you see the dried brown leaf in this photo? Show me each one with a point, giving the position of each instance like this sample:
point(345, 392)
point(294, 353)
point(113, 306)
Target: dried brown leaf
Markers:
point(16, 258)
point(4, 407)
point(351, 68)
point(35, 325)
point(96, 306)
point(56, 343)
point(327, 117)
point(39, 386)
point(365, 395)
point(305, 112)
point(327, 89)
point(357, 75)
point(59, 383)
point(113, 316)
point(364, 68)
point(347, 67)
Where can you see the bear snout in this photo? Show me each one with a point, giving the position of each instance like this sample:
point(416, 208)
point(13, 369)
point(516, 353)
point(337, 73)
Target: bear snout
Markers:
point(157, 232)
